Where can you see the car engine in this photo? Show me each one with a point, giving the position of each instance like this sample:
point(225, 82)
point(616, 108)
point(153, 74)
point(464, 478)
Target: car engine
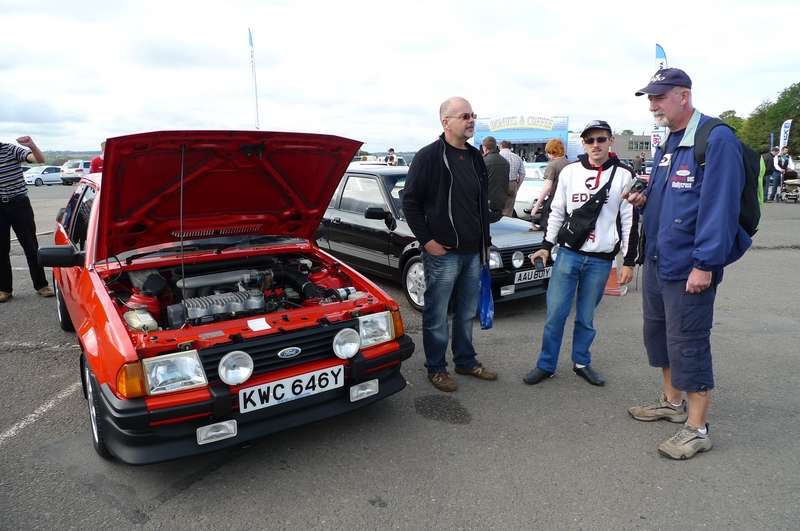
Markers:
point(172, 298)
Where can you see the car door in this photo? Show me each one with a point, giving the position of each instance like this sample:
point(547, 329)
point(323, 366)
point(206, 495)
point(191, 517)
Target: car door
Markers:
point(52, 175)
point(75, 222)
point(360, 242)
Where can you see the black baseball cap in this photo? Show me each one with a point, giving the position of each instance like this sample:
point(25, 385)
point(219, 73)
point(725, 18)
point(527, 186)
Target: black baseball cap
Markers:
point(596, 124)
point(664, 80)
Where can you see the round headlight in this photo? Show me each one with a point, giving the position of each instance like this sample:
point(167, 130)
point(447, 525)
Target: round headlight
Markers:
point(235, 367)
point(517, 259)
point(346, 343)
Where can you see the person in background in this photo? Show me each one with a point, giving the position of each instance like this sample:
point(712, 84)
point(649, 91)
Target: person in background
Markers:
point(497, 169)
point(783, 162)
point(446, 207)
point(769, 169)
point(97, 162)
point(516, 175)
point(16, 213)
point(555, 152)
point(390, 158)
point(540, 156)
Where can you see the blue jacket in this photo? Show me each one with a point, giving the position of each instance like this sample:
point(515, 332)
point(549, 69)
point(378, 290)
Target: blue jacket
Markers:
point(691, 218)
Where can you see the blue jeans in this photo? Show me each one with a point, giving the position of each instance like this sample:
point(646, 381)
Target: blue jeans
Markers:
point(443, 275)
point(572, 272)
point(774, 187)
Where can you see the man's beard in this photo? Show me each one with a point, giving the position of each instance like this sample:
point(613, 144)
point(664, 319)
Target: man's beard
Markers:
point(661, 120)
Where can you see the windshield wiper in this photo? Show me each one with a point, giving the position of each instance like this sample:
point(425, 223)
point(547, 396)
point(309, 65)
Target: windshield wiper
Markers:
point(248, 241)
point(192, 247)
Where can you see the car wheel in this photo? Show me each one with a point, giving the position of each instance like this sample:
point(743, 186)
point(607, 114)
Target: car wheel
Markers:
point(93, 403)
point(61, 309)
point(414, 282)
point(38, 182)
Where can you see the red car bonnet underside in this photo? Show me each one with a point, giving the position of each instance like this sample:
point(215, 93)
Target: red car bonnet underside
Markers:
point(224, 183)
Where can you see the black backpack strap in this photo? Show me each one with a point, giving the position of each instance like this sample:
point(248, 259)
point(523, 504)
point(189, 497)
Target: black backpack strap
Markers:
point(701, 138)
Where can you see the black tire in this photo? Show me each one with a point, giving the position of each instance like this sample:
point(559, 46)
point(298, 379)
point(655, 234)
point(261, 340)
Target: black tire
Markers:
point(38, 182)
point(93, 406)
point(413, 282)
point(64, 320)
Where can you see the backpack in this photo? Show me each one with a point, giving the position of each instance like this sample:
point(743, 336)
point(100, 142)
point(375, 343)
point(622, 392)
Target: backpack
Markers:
point(750, 210)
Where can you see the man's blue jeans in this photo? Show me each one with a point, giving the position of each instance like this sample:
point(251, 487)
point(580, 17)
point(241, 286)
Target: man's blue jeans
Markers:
point(774, 187)
point(443, 275)
point(572, 272)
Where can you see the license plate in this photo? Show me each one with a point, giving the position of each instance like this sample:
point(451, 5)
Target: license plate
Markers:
point(532, 274)
point(288, 389)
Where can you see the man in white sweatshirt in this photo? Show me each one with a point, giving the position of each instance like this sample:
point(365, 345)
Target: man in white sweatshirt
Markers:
point(585, 270)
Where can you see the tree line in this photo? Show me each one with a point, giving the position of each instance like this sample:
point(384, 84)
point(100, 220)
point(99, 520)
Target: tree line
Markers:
point(768, 117)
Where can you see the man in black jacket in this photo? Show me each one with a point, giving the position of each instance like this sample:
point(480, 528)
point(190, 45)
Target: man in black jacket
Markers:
point(446, 207)
point(497, 168)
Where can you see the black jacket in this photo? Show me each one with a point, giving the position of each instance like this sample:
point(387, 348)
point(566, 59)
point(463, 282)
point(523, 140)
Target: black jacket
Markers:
point(427, 196)
point(498, 169)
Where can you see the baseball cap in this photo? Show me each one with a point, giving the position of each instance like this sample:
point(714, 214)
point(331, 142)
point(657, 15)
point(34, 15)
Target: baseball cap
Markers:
point(665, 79)
point(596, 124)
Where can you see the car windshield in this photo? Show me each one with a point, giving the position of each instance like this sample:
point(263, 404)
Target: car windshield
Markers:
point(73, 164)
point(396, 199)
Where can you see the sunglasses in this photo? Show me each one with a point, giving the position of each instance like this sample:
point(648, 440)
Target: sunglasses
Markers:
point(465, 116)
point(600, 140)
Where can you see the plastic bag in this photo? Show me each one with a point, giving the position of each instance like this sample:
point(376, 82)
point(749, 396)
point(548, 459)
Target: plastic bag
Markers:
point(486, 302)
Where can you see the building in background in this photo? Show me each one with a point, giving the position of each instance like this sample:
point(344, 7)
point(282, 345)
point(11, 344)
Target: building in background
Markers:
point(528, 133)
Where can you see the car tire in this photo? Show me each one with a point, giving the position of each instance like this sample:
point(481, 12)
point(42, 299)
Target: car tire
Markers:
point(93, 406)
point(413, 282)
point(38, 182)
point(61, 310)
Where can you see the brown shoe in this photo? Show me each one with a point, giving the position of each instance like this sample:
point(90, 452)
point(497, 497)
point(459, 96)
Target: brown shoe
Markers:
point(5, 296)
point(443, 382)
point(46, 291)
point(479, 371)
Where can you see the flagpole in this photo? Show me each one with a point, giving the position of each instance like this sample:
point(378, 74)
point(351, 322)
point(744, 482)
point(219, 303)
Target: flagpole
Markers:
point(253, 67)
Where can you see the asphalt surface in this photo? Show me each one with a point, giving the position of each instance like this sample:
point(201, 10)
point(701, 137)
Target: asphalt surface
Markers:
point(501, 455)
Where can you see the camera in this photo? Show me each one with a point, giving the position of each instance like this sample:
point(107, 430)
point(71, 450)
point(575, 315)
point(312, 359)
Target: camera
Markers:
point(637, 186)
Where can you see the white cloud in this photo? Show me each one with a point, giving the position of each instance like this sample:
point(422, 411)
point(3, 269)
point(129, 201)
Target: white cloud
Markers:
point(74, 73)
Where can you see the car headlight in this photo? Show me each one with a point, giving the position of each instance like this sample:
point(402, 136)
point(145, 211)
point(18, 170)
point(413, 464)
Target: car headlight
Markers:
point(495, 260)
point(173, 372)
point(346, 343)
point(517, 259)
point(235, 367)
point(376, 328)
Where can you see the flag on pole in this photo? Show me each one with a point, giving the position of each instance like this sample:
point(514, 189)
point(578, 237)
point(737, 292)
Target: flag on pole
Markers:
point(785, 133)
point(661, 57)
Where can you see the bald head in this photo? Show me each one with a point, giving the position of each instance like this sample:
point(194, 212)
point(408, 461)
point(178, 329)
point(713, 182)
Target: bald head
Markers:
point(445, 109)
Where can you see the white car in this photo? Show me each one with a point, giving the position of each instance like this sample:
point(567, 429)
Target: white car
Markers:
point(530, 189)
point(39, 175)
point(73, 170)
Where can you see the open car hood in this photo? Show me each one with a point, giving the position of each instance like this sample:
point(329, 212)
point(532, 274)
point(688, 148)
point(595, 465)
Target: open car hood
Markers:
point(223, 182)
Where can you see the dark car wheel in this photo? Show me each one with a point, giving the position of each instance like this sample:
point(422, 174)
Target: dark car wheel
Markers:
point(38, 182)
point(61, 309)
point(93, 403)
point(414, 282)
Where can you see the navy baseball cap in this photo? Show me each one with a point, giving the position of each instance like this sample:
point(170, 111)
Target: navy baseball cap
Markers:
point(596, 124)
point(665, 79)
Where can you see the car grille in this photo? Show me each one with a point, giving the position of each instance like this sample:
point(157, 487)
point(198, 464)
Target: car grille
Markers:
point(315, 344)
point(507, 253)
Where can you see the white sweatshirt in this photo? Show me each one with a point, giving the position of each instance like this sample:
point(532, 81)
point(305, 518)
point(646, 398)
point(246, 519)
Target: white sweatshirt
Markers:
point(576, 184)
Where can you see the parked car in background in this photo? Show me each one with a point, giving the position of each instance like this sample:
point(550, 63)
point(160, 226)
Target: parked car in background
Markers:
point(364, 226)
point(73, 170)
point(205, 313)
point(39, 175)
point(530, 189)
point(648, 167)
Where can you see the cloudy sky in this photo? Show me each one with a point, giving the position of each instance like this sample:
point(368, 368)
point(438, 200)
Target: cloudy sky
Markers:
point(73, 73)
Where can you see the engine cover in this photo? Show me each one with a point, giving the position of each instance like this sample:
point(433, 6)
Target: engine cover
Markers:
point(210, 307)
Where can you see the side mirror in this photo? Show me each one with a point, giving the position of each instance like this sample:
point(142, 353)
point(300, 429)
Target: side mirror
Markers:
point(60, 214)
point(61, 256)
point(380, 213)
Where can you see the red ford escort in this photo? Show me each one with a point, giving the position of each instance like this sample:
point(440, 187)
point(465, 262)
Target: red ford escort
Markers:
point(206, 314)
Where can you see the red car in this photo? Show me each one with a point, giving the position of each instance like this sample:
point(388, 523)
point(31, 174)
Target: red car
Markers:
point(206, 314)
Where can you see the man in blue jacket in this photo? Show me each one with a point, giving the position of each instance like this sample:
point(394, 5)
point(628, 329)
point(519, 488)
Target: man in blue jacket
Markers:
point(690, 219)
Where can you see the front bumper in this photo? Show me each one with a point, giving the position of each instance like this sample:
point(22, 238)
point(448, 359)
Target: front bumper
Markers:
point(128, 435)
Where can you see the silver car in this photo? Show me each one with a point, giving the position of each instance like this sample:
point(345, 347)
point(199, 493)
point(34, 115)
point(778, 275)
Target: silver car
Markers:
point(39, 175)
